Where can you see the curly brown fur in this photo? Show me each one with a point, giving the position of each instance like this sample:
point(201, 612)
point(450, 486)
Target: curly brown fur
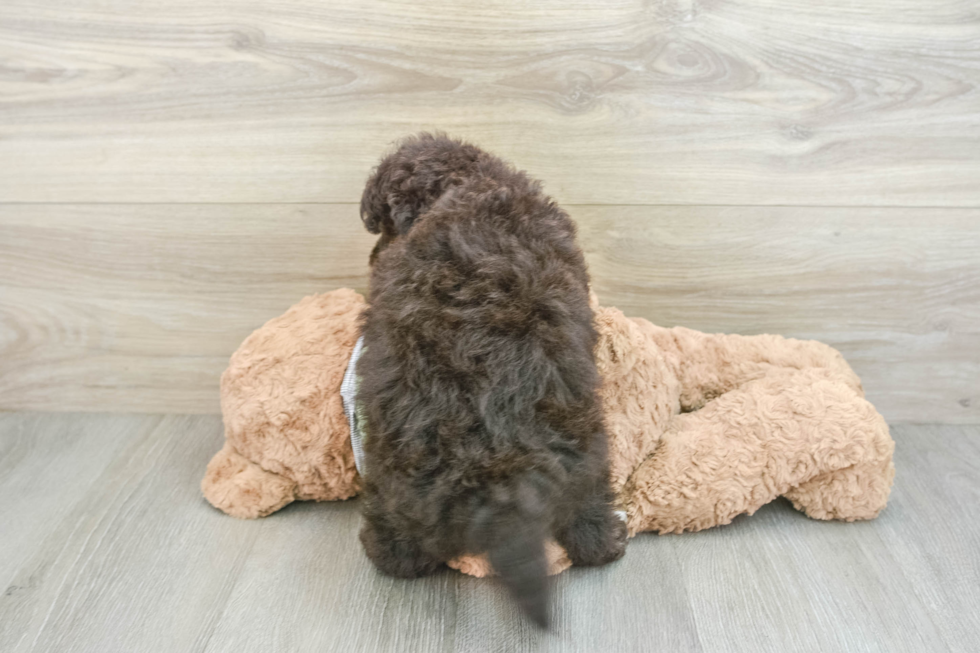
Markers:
point(484, 428)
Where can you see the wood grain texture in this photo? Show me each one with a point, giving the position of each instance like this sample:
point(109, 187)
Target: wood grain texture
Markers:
point(138, 307)
point(46, 466)
point(307, 574)
point(897, 291)
point(629, 102)
point(141, 562)
point(137, 561)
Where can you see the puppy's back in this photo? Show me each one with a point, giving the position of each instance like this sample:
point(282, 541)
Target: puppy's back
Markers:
point(478, 379)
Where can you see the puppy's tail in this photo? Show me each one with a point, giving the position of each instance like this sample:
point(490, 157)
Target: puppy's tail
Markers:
point(511, 527)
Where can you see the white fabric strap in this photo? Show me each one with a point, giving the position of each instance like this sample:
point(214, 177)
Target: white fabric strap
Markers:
point(348, 392)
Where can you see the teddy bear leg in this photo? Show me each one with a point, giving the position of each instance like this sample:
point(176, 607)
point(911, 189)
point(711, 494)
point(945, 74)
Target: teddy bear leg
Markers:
point(801, 434)
point(239, 487)
point(669, 493)
point(392, 553)
point(857, 492)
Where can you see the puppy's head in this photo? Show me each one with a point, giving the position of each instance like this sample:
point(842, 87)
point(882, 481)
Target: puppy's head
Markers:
point(410, 180)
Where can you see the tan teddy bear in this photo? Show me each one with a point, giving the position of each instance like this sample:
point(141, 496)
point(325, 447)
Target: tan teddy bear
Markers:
point(702, 427)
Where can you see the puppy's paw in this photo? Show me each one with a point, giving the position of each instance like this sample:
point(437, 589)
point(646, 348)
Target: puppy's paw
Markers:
point(596, 540)
point(395, 556)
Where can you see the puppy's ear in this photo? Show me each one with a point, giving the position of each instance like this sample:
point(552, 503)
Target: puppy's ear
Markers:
point(371, 222)
point(385, 208)
point(373, 205)
point(403, 214)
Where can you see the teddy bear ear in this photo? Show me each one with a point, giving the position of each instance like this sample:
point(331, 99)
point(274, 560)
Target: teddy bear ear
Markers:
point(593, 300)
point(616, 350)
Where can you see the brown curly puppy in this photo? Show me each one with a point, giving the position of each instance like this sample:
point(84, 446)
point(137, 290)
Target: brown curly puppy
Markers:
point(484, 430)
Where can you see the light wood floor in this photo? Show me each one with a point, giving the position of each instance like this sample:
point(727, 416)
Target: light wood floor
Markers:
point(107, 545)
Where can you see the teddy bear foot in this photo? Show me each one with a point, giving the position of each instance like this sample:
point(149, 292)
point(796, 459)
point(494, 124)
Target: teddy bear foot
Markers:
point(242, 489)
point(857, 492)
point(479, 565)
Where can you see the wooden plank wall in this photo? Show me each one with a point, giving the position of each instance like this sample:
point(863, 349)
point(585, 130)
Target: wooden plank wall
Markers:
point(174, 174)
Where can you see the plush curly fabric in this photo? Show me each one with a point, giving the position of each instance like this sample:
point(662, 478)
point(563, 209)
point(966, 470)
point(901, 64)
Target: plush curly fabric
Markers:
point(707, 427)
point(702, 427)
point(286, 433)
